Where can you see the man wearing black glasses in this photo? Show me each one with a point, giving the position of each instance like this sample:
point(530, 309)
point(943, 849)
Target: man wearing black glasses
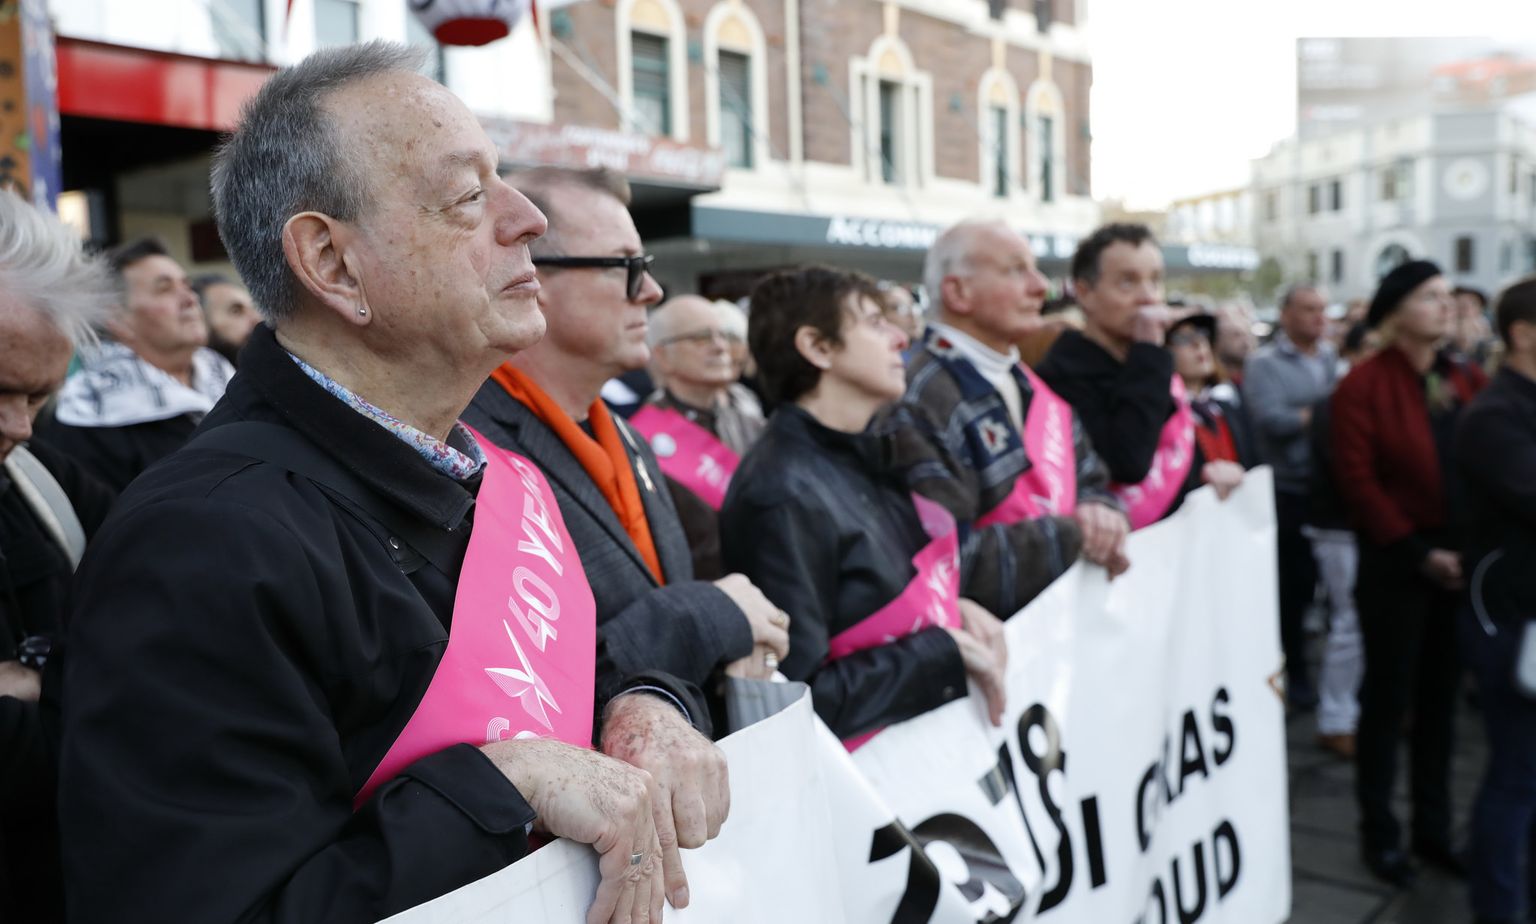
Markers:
point(545, 405)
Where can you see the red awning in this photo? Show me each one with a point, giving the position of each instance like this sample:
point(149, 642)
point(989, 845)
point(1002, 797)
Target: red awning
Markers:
point(103, 81)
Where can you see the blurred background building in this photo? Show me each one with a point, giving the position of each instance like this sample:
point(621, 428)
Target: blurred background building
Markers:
point(1412, 147)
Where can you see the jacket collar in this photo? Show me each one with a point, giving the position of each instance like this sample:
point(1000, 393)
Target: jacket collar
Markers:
point(973, 385)
point(531, 437)
point(369, 451)
point(867, 450)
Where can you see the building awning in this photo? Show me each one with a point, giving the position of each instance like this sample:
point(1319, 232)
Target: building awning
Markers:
point(846, 231)
point(102, 81)
point(661, 170)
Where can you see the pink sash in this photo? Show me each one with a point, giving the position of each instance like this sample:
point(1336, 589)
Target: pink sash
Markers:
point(523, 643)
point(931, 598)
point(688, 453)
point(1049, 488)
point(1148, 501)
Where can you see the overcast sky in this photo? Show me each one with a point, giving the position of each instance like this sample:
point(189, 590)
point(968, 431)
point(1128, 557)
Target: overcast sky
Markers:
point(1187, 92)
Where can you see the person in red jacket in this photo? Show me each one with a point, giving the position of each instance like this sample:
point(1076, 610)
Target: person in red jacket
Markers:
point(1394, 417)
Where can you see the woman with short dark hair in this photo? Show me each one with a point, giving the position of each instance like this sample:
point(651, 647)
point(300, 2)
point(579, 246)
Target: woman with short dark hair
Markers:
point(820, 521)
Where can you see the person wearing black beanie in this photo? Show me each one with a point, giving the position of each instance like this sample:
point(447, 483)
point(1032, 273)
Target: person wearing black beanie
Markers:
point(1393, 420)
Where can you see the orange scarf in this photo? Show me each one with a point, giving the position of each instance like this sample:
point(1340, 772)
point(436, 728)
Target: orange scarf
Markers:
point(604, 459)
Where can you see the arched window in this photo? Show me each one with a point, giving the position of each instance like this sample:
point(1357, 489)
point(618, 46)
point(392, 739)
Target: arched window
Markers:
point(653, 67)
point(1043, 111)
point(893, 115)
point(736, 84)
point(997, 106)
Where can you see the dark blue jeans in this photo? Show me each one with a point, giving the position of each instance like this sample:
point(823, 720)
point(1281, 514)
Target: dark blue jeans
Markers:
point(1505, 813)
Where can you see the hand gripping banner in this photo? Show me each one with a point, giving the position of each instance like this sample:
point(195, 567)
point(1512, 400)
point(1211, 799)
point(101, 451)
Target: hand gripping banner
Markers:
point(1139, 777)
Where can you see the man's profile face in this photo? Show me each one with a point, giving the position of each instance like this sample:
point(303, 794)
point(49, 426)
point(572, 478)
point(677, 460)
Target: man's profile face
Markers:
point(1130, 278)
point(34, 357)
point(231, 314)
point(1007, 291)
point(589, 313)
point(441, 250)
point(161, 314)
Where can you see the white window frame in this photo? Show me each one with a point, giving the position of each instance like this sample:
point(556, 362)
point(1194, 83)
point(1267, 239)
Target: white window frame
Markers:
point(916, 99)
point(677, 63)
point(999, 79)
point(757, 57)
point(1044, 99)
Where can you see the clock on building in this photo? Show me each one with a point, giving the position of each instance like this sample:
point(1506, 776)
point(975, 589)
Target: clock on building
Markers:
point(1465, 178)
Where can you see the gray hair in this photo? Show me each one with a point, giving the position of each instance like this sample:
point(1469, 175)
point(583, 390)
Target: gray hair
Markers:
point(287, 157)
point(43, 265)
point(538, 184)
point(662, 321)
point(950, 255)
point(1295, 290)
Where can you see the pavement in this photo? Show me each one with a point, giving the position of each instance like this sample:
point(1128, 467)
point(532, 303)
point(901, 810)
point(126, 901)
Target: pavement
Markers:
point(1330, 884)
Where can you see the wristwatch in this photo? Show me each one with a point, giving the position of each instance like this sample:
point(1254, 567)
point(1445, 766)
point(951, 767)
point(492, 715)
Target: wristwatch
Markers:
point(33, 651)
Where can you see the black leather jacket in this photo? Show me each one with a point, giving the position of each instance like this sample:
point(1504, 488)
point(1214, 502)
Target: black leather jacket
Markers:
point(818, 520)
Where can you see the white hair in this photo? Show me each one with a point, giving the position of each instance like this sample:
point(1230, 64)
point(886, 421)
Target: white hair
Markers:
point(42, 265)
point(733, 320)
point(662, 322)
point(950, 255)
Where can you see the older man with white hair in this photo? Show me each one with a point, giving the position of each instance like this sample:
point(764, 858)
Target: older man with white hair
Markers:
point(50, 296)
point(294, 637)
point(1028, 480)
point(697, 430)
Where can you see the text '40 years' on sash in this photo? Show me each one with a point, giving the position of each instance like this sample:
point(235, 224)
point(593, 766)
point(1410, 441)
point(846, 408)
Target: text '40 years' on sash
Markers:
point(1139, 777)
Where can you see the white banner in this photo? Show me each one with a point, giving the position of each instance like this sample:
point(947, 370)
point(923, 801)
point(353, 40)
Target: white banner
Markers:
point(1139, 777)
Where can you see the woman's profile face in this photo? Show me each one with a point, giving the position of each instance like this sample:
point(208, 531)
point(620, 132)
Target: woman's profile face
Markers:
point(1193, 358)
point(870, 356)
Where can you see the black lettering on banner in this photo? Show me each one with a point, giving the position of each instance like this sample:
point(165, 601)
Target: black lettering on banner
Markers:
point(921, 895)
point(984, 864)
point(1162, 905)
point(1222, 723)
point(1226, 879)
point(1190, 915)
point(1146, 815)
point(1093, 834)
point(1189, 740)
point(1041, 765)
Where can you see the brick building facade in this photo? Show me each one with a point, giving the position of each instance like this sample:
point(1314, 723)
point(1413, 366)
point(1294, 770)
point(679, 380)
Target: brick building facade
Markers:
point(851, 130)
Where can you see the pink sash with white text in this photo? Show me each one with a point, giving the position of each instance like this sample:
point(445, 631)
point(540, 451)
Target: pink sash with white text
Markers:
point(688, 453)
point(1049, 488)
point(931, 598)
point(523, 642)
point(1147, 501)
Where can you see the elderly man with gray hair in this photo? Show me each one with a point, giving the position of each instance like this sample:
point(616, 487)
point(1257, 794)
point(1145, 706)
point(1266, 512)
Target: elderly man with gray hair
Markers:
point(51, 295)
point(1027, 480)
point(314, 673)
point(698, 432)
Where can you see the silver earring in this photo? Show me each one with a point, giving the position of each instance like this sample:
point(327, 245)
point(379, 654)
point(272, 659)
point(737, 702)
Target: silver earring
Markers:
point(362, 312)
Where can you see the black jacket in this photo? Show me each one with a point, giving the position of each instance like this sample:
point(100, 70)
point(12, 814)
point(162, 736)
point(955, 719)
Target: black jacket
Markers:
point(35, 578)
point(686, 627)
point(116, 455)
point(823, 524)
point(1496, 455)
point(1122, 405)
point(245, 649)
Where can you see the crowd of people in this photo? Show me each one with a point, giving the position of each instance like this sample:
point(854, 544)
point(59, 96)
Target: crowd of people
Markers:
point(248, 615)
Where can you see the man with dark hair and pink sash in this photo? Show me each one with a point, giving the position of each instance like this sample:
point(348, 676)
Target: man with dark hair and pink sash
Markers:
point(338, 656)
point(1031, 494)
point(696, 431)
point(820, 518)
point(1119, 377)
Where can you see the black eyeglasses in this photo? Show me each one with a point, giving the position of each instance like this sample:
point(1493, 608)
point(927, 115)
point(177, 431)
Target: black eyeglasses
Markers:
point(635, 267)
